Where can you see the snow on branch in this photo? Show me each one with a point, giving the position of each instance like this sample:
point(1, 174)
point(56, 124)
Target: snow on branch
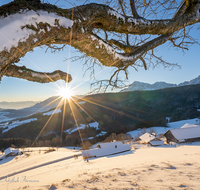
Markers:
point(30, 75)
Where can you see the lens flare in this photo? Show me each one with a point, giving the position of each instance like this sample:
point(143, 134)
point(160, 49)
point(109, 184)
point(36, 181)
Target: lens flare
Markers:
point(65, 93)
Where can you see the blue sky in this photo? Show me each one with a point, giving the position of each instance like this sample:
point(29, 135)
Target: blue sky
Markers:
point(13, 89)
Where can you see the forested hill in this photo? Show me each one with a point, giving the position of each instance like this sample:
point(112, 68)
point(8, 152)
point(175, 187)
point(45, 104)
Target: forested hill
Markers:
point(117, 112)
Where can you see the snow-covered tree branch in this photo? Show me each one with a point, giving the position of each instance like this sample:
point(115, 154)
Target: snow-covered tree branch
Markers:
point(25, 25)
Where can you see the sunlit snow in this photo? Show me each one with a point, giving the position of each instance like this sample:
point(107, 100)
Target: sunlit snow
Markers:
point(83, 126)
point(11, 31)
point(17, 123)
point(53, 112)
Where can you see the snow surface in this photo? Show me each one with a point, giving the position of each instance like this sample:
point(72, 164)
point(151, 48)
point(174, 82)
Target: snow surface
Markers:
point(83, 126)
point(83, 102)
point(115, 13)
point(53, 112)
point(39, 75)
point(110, 49)
point(3, 117)
point(152, 168)
point(17, 123)
point(11, 31)
point(101, 134)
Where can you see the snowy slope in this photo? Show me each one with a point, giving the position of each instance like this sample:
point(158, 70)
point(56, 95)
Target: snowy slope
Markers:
point(17, 123)
point(166, 167)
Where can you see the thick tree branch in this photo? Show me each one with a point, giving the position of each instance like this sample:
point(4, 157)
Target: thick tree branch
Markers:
point(126, 48)
point(30, 75)
point(48, 24)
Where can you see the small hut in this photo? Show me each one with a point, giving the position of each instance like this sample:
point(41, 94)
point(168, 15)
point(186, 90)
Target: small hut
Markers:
point(187, 133)
point(11, 152)
point(106, 149)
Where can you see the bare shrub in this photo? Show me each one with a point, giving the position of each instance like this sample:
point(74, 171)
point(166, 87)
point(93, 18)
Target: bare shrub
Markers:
point(93, 179)
point(120, 137)
point(121, 173)
point(182, 185)
point(187, 164)
point(169, 166)
point(134, 184)
point(49, 150)
point(47, 143)
point(53, 186)
point(152, 131)
point(27, 155)
point(86, 145)
point(13, 146)
point(40, 143)
point(66, 180)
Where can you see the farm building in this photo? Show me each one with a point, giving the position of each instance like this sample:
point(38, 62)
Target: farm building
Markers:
point(147, 138)
point(105, 149)
point(11, 152)
point(187, 133)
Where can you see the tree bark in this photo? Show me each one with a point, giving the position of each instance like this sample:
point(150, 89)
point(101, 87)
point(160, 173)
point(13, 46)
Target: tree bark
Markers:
point(79, 33)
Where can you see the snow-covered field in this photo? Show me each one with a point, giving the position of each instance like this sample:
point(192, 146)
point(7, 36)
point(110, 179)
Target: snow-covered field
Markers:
point(144, 167)
point(166, 167)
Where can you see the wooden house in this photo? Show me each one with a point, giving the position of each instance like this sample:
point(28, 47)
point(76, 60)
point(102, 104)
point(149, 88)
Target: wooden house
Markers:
point(184, 134)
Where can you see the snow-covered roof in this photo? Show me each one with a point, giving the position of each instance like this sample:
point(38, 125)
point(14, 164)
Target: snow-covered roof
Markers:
point(186, 133)
point(106, 144)
point(9, 150)
point(187, 125)
point(156, 142)
point(147, 137)
point(106, 149)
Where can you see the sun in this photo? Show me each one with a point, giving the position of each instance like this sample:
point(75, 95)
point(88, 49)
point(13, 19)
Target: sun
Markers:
point(65, 93)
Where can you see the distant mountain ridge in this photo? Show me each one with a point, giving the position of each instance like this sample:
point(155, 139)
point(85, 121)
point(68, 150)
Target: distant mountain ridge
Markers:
point(43, 106)
point(17, 105)
point(141, 86)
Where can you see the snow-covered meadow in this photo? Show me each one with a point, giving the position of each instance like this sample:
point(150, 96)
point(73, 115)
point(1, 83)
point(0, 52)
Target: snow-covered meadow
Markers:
point(144, 167)
point(167, 167)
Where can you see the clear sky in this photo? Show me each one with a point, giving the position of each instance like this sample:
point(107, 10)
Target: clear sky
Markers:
point(13, 89)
